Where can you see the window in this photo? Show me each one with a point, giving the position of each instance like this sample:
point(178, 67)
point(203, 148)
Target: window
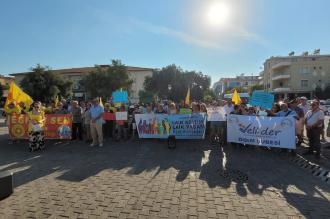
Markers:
point(304, 70)
point(304, 83)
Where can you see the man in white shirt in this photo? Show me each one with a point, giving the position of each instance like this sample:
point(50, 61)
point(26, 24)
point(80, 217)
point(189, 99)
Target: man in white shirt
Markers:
point(314, 119)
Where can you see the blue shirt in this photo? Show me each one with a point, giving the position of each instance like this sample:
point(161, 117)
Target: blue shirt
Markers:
point(289, 113)
point(95, 112)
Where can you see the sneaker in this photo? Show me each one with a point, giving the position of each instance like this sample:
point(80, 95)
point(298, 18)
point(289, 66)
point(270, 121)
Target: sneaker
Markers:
point(92, 145)
point(101, 145)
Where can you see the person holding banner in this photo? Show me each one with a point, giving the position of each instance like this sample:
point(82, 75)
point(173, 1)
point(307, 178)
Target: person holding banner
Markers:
point(172, 109)
point(76, 113)
point(97, 123)
point(314, 119)
point(87, 121)
point(108, 125)
point(36, 128)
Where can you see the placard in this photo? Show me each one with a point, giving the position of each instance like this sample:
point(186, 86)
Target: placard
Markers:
point(122, 116)
point(216, 114)
point(262, 131)
point(262, 99)
point(18, 126)
point(185, 111)
point(108, 116)
point(120, 97)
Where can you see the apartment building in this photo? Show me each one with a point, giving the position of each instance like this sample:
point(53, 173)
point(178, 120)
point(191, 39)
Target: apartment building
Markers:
point(137, 74)
point(290, 76)
point(241, 81)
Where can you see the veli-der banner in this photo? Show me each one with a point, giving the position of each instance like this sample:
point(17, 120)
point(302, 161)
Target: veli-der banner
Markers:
point(56, 126)
point(262, 131)
point(188, 126)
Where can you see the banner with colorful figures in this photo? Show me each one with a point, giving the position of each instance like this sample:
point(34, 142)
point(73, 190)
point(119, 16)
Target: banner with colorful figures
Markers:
point(189, 126)
point(56, 126)
point(262, 131)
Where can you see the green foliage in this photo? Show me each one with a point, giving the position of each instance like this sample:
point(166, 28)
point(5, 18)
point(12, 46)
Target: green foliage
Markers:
point(179, 81)
point(43, 84)
point(239, 90)
point(104, 80)
point(208, 98)
point(146, 96)
point(257, 87)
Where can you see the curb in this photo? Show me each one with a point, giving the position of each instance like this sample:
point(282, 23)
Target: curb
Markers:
point(315, 169)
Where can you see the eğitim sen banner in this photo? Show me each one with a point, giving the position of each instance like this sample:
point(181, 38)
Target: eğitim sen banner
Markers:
point(262, 131)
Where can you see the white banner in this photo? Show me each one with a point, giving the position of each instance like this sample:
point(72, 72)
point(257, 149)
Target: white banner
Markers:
point(262, 131)
point(216, 114)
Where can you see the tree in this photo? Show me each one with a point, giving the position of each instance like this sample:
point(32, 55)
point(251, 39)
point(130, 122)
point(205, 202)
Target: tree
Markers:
point(44, 85)
point(104, 80)
point(257, 87)
point(146, 96)
point(172, 82)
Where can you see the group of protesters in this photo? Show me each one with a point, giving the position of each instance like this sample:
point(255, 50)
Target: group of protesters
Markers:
point(88, 123)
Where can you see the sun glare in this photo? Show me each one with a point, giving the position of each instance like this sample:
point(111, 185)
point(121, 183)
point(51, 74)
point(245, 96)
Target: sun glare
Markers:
point(218, 14)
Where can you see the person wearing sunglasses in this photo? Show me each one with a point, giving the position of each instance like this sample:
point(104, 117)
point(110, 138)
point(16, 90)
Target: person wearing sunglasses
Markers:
point(36, 127)
point(314, 119)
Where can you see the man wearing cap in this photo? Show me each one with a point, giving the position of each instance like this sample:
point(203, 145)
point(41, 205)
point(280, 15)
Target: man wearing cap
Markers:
point(313, 120)
point(303, 104)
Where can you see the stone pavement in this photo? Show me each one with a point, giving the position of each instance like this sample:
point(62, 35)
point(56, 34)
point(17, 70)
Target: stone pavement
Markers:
point(144, 179)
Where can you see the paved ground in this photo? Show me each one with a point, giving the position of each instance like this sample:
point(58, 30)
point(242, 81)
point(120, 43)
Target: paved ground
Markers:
point(146, 180)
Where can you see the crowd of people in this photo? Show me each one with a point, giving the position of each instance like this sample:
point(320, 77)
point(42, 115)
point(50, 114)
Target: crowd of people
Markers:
point(88, 123)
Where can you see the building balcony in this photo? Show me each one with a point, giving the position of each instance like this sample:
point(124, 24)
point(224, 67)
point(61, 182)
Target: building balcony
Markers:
point(281, 89)
point(280, 76)
point(281, 65)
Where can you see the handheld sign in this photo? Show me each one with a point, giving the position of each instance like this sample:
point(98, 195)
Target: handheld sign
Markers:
point(185, 111)
point(120, 97)
point(262, 99)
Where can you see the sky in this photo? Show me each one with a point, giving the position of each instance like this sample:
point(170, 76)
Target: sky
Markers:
point(220, 38)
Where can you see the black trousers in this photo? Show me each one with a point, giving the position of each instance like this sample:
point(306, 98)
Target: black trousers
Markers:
point(314, 139)
point(108, 129)
point(77, 127)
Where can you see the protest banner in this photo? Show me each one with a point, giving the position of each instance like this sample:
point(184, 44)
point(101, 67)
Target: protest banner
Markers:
point(189, 126)
point(262, 131)
point(262, 99)
point(185, 111)
point(58, 126)
point(152, 125)
point(18, 126)
point(120, 97)
point(216, 114)
point(108, 116)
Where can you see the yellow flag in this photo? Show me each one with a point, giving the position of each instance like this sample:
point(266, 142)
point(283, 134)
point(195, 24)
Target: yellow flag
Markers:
point(16, 94)
point(236, 98)
point(187, 100)
point(101, 102)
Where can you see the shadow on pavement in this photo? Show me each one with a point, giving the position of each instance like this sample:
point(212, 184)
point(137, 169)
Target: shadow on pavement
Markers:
point(252, 170)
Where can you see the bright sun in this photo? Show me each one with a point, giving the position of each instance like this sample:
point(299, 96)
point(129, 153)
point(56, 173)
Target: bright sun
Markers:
point(218, 14)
